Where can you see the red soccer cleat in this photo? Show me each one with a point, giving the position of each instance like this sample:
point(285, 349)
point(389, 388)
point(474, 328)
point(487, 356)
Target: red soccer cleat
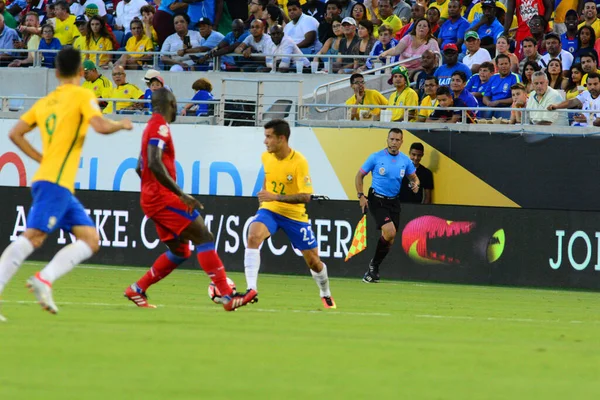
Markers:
point(239, 300)
point(140, 299)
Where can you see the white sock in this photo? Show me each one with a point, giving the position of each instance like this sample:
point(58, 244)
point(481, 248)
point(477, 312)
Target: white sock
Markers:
point(322, 281)
point(12, 258)
point(65, 260)
point(251, 267)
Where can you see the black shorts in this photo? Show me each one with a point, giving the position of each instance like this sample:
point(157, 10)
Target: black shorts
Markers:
point(384, 210)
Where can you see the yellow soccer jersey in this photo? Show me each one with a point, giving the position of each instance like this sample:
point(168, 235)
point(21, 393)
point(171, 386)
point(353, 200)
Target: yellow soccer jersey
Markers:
point(408, 97)
point(79, 44)
point(102, 87)
point(287, 176)
point(426, 102)
point(66, 31)
point(126, 91)
point(63, 118)
point(144, 44)
point(102, 44)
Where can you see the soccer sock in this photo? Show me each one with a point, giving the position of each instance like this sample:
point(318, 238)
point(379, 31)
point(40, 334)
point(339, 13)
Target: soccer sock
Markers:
point(383, 248)
point(322, 281)
point(65, 260)
point(211, 264)
point(12, 258)
point(251, 267)
point(162, 267)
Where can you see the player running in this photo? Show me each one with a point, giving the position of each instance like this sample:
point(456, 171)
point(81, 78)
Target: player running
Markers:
point(173, 211)
point(63, 118)
point(286, 190)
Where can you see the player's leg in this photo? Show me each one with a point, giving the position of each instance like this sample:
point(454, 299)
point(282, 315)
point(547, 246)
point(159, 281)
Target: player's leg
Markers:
point(387, 218)
point(166, 263)
point(211, 263)
point(263, 226)
point(76, 221)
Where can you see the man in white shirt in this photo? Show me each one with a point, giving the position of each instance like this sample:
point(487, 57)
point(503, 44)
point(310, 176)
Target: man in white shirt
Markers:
point(284, 45)
point(126, 11)
point(555, 50)
point(476, 55)
point(302, 29)
point(78, 7)
point(586, 100)
point(542, 99)
point(256, 43)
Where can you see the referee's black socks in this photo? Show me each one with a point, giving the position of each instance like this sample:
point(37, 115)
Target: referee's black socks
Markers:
point(383, 248)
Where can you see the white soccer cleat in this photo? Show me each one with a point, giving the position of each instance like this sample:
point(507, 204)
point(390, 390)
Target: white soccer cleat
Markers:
point(43, 292)
point(2, 319)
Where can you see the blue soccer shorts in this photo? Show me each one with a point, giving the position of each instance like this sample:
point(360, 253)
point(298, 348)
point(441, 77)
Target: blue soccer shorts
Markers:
point(55, 207)
point(300, 233)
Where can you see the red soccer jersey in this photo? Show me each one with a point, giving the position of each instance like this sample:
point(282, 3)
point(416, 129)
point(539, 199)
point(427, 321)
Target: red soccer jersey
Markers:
point(155, 196)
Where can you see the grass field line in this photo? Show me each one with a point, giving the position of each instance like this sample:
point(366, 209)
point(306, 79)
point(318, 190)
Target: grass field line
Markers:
point(504, 319)
point(210, 307)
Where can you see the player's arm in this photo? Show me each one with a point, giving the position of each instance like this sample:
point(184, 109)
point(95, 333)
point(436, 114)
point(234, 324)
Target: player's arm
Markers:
point(17, 136)
point(138, 167)
point(107, 126)
point(414, 179)
point(161, 174)
point(298, 198)
point(360, 191)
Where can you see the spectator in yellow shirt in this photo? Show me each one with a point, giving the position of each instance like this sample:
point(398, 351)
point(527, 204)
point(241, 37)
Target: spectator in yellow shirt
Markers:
point(139, 42)
point(64, 30)
point(98, 38)
point(442, 6)
point(387, 17)
point(403, 96)
point(590, 15)
point(81, 24)
point(366, 97)
point(96, 82)
point(431, 85)
point(147, 18)
point(124, 90)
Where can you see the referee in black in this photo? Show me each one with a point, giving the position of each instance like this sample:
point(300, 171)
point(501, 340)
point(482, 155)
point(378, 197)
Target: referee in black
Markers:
point(388, 167)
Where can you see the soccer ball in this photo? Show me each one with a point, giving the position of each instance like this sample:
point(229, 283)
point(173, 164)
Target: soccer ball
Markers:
point(215, 295)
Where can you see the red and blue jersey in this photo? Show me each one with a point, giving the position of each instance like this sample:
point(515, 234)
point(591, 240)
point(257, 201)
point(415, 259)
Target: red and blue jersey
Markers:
point(154, 196)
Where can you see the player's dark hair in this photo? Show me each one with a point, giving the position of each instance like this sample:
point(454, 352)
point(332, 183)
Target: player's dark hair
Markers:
point(419, 145)
point(280, 127)
point(395, 130)
point(461, 75)
point(335, 3)
point(501, 56)
point(161, 100)
point(589, 55)
point(432, 78)
point(443, 90)
point(295, 3)
point(68, 62)
point(487, 65)
point(593, 75)
point(530, 39)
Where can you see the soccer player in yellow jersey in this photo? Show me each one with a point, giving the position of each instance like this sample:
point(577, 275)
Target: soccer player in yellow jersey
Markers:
point(286, 190)
point(63, 118)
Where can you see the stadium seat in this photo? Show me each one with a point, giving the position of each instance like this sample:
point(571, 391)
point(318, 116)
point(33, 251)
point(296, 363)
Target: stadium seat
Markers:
point(119, 36)
point(278, 110)
point(110, 20)
point(16, 104)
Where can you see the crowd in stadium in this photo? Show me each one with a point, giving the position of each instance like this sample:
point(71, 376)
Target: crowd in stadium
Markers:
point(519, 53)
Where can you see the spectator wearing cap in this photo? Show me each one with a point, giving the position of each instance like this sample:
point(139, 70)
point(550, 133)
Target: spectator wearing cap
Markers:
point(136, 44)
point(82, 26)
point(403, 96)
point(212, 10)
point(444, 72)
point(228, 45)
point(64, 27)
point(590, 16)
point(568, 39)
point(386, 17)
point(96, 82)
point(126, 11)
point(48, 42)
point(98, 38)
point(302, 29)
point(31, 40)
point(498, 93)
point(347, 46)
point(183, 39)
point(476, 55)
point(203, 92)
point(453, 30)
point(488, 27)
point(283, 45)
point(149, 77)
point(78, 7)
point(366, 97)
point(530, 53)
point(125, 91)
point(553, 46)
point(414, 45)
point(479, 82)
point(532, 16)
point(208, 40)
point(254, 47)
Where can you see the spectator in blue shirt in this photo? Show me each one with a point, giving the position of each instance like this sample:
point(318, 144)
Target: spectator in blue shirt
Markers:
point(453, 30)
point(203, 89)
point(488, 27)
point(7, 37)
point(480, 81)
point(458, 85)
point(384, 43)
point(198, 9)
point(49, 42)
point(444, 73)
point(498, 93)
point(228, 45)
point(209, 39)
point(568, 39)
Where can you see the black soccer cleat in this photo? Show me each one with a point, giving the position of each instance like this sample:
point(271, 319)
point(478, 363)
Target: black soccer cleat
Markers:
point(372, 274)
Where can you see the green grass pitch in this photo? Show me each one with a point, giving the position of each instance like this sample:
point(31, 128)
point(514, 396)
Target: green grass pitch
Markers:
point(395, 340)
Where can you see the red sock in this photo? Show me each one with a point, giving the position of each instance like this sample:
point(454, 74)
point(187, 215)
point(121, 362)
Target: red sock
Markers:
point(211, 264)
point(162, 267)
